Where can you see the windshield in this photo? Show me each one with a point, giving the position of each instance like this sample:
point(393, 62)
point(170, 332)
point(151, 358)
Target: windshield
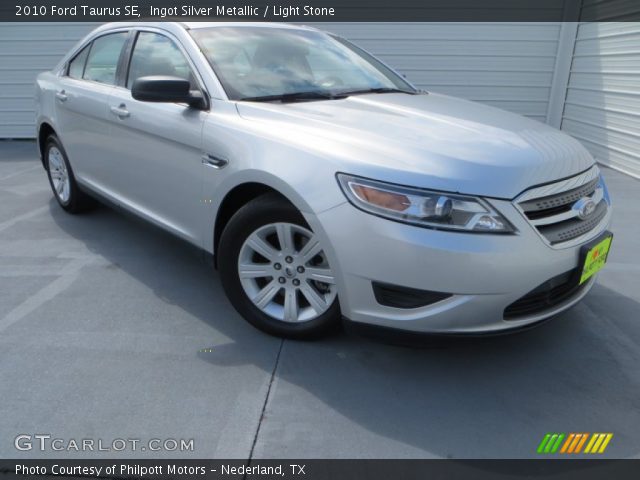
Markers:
point(255, 62)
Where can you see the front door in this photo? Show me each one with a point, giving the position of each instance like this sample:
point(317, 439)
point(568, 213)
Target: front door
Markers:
point(157, 147)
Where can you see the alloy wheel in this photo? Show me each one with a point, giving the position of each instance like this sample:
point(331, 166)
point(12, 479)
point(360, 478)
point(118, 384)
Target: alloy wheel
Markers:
point(59, 174)
point(285, 273)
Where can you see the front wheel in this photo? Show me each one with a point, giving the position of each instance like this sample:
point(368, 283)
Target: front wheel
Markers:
point(275, 271)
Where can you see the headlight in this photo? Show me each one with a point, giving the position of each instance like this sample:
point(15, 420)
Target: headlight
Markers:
point(443, 211)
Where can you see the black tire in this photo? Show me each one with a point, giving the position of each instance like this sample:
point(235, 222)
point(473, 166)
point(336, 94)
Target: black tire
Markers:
point(265, 210)
point(78, 201)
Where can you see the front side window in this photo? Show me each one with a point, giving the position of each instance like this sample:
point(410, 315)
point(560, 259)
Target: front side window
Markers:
point(104, 55)
point(155, 54)
point(255, 61)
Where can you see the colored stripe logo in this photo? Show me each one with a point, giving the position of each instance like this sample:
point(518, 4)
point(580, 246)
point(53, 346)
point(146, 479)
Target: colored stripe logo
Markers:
point(574, 443)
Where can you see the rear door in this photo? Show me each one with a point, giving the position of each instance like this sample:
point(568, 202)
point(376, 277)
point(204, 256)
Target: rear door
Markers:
point(157, 147)
point(82, 107)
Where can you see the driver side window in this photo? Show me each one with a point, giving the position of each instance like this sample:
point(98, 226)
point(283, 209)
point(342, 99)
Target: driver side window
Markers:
point(155, 54)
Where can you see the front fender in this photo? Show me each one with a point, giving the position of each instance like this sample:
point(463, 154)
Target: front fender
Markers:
point(254, 153)
point(293, 193)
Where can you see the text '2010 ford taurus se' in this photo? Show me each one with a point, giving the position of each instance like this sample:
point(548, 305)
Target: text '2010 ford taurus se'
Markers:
point(324, 183)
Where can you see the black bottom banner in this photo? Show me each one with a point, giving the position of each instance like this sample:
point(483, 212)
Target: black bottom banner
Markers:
point(321, 469)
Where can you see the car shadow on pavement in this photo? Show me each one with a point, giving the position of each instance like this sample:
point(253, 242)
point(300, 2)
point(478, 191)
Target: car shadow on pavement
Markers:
point(346, 396)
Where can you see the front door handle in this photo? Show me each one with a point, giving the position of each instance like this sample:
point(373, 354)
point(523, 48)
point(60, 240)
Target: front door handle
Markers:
point(121, 111)
point(62, 96)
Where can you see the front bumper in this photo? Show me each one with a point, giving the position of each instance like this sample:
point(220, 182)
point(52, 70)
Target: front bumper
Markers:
point(485, 273)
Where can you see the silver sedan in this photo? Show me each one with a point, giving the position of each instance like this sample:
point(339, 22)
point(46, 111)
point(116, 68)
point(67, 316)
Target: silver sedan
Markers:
point(326, 186)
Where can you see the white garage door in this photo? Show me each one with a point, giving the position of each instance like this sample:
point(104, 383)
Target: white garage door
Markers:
point(502, 64)
point(602, 107)
point(25, 50)
point(506, 65)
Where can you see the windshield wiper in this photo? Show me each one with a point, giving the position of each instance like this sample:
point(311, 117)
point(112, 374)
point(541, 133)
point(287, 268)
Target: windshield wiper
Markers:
point(296, 97)
point(323, 95)
point(379, 90)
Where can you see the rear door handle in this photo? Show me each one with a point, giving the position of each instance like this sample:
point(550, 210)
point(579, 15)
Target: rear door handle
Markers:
point(121, 111)
point(62, 96)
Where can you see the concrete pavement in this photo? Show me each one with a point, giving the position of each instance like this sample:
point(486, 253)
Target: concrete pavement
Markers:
point(111, 329)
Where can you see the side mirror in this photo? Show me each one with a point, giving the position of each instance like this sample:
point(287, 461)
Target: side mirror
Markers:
point(165, 89)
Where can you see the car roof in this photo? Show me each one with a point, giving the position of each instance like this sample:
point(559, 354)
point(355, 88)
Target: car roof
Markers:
point(197, 25)
point(172, 26)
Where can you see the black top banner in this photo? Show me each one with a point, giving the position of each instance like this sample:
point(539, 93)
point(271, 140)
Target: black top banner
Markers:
point(321, 10)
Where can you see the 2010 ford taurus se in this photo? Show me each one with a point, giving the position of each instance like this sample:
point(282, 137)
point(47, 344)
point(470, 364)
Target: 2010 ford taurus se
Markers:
point(326, 185)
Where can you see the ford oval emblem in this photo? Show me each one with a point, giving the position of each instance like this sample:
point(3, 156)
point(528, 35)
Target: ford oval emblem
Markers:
point(584, 207)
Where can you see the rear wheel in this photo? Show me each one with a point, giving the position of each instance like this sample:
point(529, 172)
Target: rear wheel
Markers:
point(61, 178)
point(275, 271)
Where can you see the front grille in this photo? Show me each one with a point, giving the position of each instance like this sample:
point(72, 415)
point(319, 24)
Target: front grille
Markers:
point(573, 228)
point(563, 199)
point(549, 208)
point(546, 296)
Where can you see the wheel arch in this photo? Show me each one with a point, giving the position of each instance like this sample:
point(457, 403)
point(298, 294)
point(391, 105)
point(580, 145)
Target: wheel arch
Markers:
point(44, 130)
point(236, 198)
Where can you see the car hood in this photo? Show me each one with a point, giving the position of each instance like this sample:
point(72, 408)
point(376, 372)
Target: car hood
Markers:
point(427, 140)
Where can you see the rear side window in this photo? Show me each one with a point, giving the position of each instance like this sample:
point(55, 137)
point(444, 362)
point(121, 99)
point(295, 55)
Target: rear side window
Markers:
point(155, 54)
point(76, 66)
point(103, 58)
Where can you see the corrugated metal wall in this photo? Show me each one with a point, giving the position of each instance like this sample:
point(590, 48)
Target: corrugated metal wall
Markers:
point(25, 50)
point(602, 107)
point(506, 65)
